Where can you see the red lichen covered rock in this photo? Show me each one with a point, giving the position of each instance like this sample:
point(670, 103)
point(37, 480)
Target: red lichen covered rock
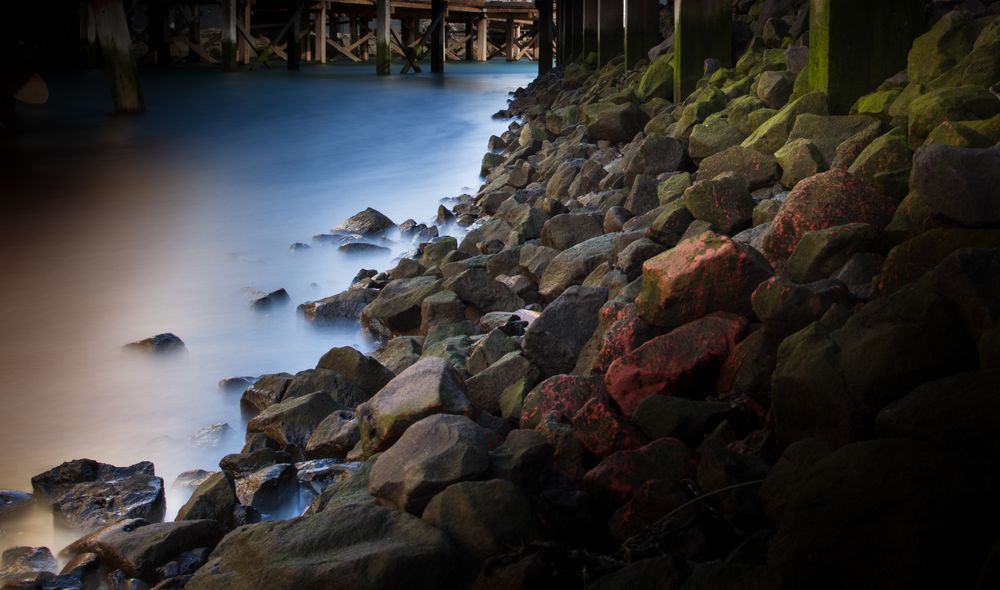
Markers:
point(616, 478)
point(701, 275)
point(602, 430)
point(627, 333)
point(821, 201)
point(562, 394)
point(684, 362)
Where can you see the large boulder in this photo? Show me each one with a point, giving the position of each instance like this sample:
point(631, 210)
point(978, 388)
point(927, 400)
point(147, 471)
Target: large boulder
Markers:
point(366, 372)
point(484, 517)
point(85, 494)
point(214, 499)
point(821, 253)
point(430, 386)
point(658, 79)
point(725, 202)
point(571, 266)
point(938, 50)
point(343, 307)
point(825, 200)
point(290, 423)
point(334, 436)
point(367, 223)
point(430, 456)
point(554, 340)
point(683, 363)
point(396, 310)
point(656, 154)
point(961, 185)
point(569, 229)
point(615, 479)
point(827, 133)
point(478, 288)
point(904, 514)
point(913, 258)
point(775, 131)
point(756, 168)
point(964, 103)
point(486, 387)
point(562, 396)
point(616, 122)
point(701, 275)
point(349, 546)
point(139, 548)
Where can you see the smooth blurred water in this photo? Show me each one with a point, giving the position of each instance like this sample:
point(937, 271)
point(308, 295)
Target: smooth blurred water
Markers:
point(115, 229)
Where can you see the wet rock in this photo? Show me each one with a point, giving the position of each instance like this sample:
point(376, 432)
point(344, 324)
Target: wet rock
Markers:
point(431, 455)
point(210, 436)
point(334, 436)
point(485, 388)
point(214, 499)
point(431, 386)
point(850, 508)
point(291, 422)
point(683, 363)
point(756, 168)
point(344, 392)
point(396, 310)
point(615, 479)
point(554, 341)
point(699, 276)
point(477, 288)
point(269, 489)
point(26, 566)
point(572, 266)
point(562, 394)
point(825, 200)
point(139, 548)
point(484, 517)
point(725, 202)
point(265, 301)
point(85, 494)
point(317, 475)
point(344, 306)
point(399, 353)
point(266, 391)
point(368, 222)
point(366, 372)
point(523, 458)
point(166, 343)
point(357, 546)
point(236, 384)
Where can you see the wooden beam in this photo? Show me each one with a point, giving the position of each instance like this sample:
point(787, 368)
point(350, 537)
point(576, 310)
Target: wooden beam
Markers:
point(320, 31)
point(383, 55)
point(703, 29)
point(591, 26)
point(439, 17)
point(111, 26)
point(470, 41)
point(194, 34)
point(229, 35)
point(244, 46)
point(509, 43)
point(642, 29)
point(544, 28)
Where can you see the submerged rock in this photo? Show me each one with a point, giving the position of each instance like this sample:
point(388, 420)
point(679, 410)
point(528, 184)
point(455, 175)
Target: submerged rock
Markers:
point(13, 502)
point(160, 344)
point(367, 222)
point(25, 567)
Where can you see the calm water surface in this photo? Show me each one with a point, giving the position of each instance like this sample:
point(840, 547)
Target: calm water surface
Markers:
point(115, 229)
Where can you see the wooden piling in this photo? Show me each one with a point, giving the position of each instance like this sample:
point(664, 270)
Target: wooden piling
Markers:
point(229, 35)
point(320, 34)
point(111, 26)
point(591, 25)
point(642, 29)
point(293, 48)
point(243, 45)
point(482, 36)
point(854, 45)
point(194, 31)
point(470, 40)
point(509, 39)
point(703, 29)
point(576, 31)
point(383, 54)
point(544, 28)
point(159, 32)
point(560, 33)
point(88, 36)
point(439, 36)
point(611, 33)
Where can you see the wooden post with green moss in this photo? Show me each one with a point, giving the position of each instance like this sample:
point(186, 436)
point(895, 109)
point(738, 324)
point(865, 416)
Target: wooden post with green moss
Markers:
point(591, 26)
point(854, 45)
point(642, 29)
point(439, 36)
point(544, 28)
point(703, 29)
point(229, 35)
point(611, 33)
point(293, 49)
point(383, 54)
point(111, 26)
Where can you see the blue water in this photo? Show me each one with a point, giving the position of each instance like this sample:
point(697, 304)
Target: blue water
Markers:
point(119, 228)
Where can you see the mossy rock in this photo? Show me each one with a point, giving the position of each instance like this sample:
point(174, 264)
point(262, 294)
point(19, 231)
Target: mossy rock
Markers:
point(899, 111)
point(828, 132)
point(911, 260)
point(739, 112)
point(660, 124)
point(801, 87)
point(949, 104)
point(711, 137)
point(821, 253)
point(561, 118)
point(940, 49)
point(703, 102)
point(775, 88)
point(876, 104)
point(738, 88)
point(887, 153)
point(981, 66)
point(658, 79)
point(969, 134)
point(799, 159)
point(673, 187)
point(773, 134)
